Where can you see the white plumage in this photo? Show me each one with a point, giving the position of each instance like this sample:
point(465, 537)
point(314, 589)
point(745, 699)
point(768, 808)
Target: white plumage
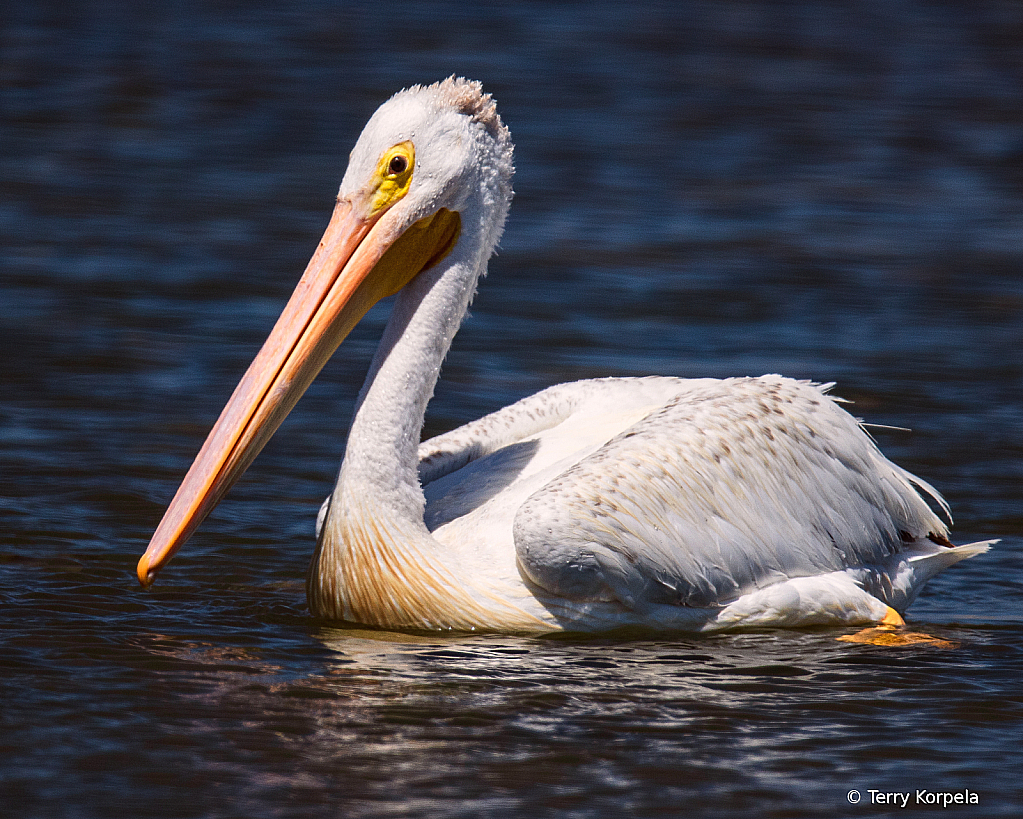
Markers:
point(662, 502)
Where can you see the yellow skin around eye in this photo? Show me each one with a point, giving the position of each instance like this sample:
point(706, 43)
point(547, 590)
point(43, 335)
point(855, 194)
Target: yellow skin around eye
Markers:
point(423, 243)
point(392, 186)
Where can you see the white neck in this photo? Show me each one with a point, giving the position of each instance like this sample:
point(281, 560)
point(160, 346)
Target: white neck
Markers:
point(381, 455)
point(375, 561)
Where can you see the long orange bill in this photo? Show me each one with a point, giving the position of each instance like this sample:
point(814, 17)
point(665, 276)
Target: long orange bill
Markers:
point(359, 261)
point(304, 337)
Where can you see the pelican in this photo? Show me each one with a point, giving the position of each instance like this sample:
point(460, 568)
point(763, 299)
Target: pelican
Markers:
point(658, 502)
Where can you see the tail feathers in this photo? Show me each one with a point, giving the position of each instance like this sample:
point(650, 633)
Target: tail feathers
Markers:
point(925, 566)
point(900, 582)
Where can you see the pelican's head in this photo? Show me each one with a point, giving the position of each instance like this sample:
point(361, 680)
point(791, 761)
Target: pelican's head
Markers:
point(431, 170)
point(439, 147)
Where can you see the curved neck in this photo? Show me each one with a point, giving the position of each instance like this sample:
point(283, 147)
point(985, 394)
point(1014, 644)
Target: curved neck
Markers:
point(375, 561)
point(381, 454)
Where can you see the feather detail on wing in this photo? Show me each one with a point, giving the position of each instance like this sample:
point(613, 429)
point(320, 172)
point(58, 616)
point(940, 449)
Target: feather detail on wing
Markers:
point(731, 486)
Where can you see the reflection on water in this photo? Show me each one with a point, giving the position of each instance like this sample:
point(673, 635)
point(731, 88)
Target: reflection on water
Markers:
point(731, 188)
point(480, 726)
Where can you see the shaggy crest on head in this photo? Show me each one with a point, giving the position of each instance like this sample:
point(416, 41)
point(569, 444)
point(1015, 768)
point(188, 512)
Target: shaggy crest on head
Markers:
point(467, 97)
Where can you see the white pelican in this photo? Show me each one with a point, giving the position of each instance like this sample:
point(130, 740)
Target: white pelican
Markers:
point(658, 502)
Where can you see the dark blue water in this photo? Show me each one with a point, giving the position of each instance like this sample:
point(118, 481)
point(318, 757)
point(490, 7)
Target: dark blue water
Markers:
point(828, 190)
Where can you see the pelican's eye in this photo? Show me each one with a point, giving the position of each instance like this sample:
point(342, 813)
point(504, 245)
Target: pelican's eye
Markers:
point(393, 175)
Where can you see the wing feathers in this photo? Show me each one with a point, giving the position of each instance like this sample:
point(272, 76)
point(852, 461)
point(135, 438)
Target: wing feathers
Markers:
point(731, 486)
